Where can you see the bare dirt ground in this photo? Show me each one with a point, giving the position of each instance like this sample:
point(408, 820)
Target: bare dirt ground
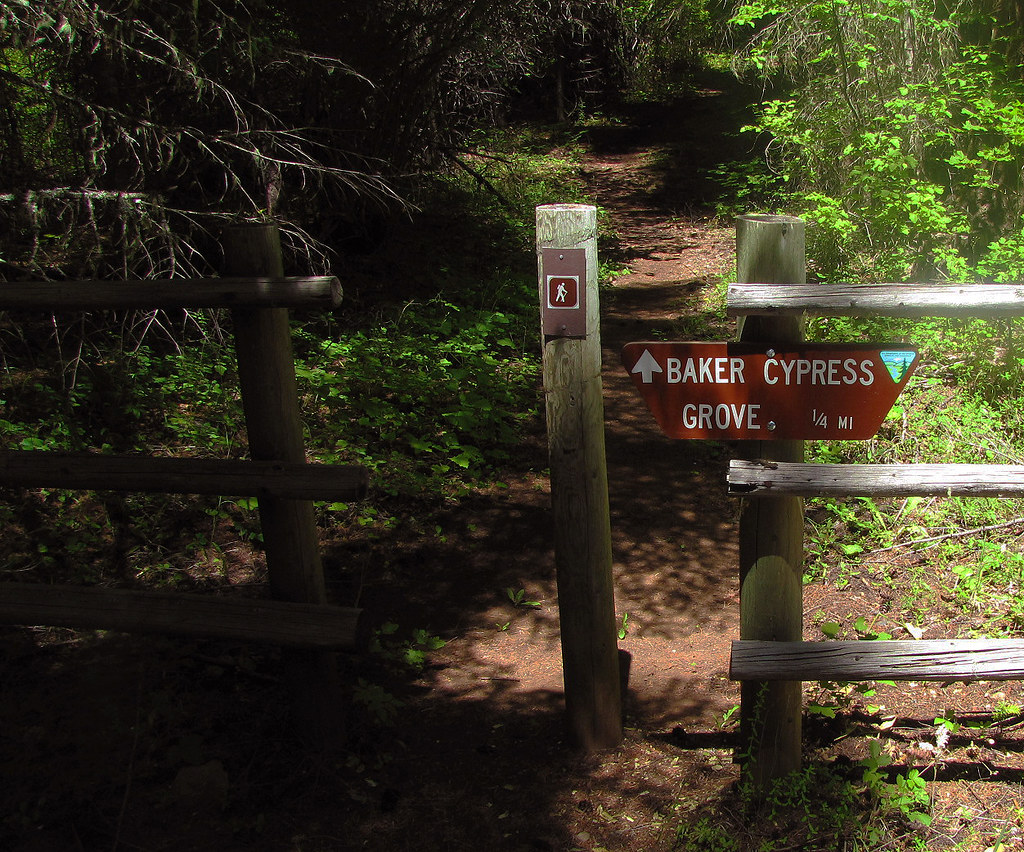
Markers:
point(137, 744)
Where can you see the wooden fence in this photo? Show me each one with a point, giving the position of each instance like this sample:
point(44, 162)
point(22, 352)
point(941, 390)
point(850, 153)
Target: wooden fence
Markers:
point(297, 616)
point(771, 665)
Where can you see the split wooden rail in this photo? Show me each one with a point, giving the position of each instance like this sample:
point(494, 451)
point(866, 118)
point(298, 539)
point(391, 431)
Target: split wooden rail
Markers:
point(298, 616)
point(764, 661)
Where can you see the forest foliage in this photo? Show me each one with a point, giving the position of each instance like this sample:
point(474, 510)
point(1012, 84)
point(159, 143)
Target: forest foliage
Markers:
point(134, 131)
point(897, 128)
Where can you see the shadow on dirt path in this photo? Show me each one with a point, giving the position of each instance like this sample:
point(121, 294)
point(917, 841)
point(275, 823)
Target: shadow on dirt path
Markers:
point(674, 531)
point(492, 705)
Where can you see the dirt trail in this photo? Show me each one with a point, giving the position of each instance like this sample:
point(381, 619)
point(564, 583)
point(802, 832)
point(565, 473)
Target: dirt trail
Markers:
point(674, 542)
point(496, 687)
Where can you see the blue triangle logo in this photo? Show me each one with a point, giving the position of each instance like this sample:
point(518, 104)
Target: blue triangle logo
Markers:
point(898, 362)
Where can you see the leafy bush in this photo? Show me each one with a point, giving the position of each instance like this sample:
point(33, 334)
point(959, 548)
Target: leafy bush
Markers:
point(898, 139)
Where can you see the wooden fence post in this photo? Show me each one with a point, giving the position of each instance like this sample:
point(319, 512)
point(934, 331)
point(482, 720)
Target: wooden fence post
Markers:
point(266, 372)
point(770, 250)
point(579, 477)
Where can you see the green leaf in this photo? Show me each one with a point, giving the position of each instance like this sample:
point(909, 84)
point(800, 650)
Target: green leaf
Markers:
point(463, 460)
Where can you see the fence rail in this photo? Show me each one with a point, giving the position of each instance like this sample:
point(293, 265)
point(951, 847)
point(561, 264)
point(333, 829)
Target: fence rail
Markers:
point(322, 292)
point(763, 479)
point(238, 478)
point(286, 623)
point(879, 659)
point(915, 301)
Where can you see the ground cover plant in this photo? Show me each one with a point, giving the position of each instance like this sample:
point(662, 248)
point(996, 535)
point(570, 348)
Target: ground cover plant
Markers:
point(960, 406)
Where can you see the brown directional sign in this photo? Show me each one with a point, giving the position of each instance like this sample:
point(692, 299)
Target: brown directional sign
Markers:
point(760, 392)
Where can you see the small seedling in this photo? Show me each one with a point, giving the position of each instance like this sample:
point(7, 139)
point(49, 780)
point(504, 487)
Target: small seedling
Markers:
point(411, 653)
point(1004, 710)
point(867, 631)
point(624, 626)
point(729, 717)
point(831, 629)
point(518, 598)
point(947, 721)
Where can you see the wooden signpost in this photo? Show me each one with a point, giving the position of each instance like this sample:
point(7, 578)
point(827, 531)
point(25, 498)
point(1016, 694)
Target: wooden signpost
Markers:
point(770, 250)
point(567, 283)
point(734, 391)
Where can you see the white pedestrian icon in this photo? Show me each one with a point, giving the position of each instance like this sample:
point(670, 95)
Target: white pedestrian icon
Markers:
point(561, 294)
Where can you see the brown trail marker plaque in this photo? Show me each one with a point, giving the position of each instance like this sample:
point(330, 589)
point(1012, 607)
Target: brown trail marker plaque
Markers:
point(563, 305)
point(760, 392)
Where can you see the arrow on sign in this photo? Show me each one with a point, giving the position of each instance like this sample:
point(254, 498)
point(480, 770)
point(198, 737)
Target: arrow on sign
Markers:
point(647, 366)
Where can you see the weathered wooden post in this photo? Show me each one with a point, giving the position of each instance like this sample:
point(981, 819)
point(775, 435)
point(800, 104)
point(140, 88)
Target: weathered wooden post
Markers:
point(570, 312)
point(770, 250)
point(266, 372)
